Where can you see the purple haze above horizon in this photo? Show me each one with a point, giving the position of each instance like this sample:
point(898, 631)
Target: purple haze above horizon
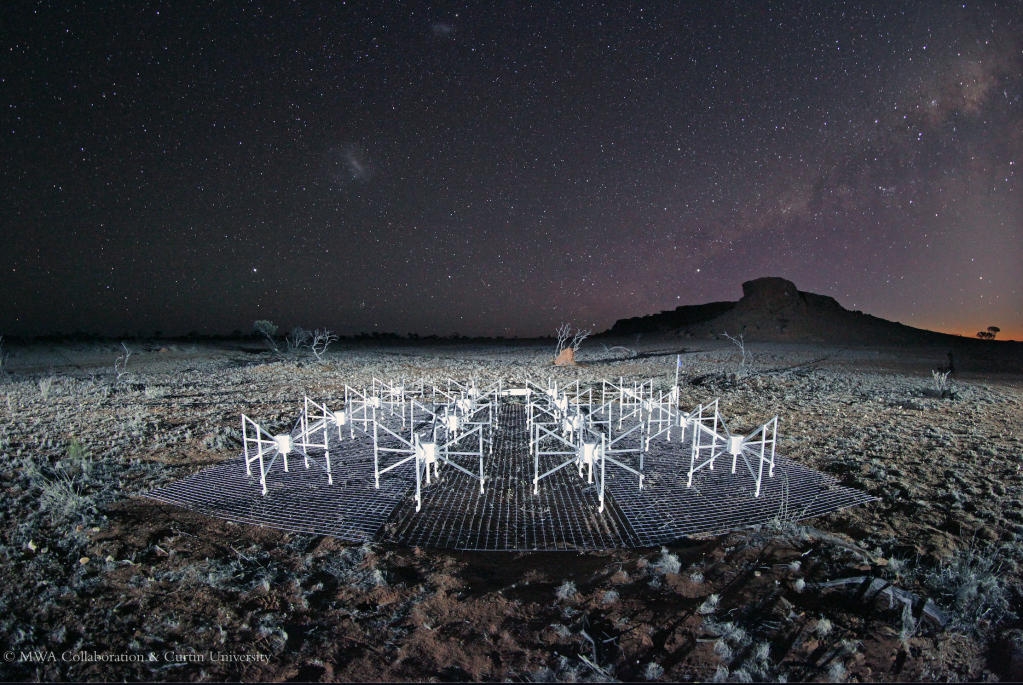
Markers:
point(498, 170)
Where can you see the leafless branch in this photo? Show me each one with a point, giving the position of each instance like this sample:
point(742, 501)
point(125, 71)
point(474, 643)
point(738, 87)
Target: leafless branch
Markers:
point(608, 351)
point(578, 338)
point(747, 357)
point(297, 339)
point(568, 339)
point(121, 363)
point(321, 341)
point(564, 331)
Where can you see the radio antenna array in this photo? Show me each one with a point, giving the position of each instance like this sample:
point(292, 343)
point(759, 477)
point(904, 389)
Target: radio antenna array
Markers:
point(473, 464)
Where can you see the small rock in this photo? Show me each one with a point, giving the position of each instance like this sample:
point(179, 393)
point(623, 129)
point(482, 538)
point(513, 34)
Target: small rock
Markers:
point(110, 559)
point(83, 561)
point(31, 546)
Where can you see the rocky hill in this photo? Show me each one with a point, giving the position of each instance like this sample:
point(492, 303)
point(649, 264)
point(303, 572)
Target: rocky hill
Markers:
point(773, 309)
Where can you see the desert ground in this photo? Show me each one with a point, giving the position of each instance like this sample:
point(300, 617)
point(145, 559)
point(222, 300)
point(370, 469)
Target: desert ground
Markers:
point(101, 583)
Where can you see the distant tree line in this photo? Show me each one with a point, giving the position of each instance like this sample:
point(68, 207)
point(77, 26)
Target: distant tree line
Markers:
point(85, 337)
point(990, 333)
point(235, 335)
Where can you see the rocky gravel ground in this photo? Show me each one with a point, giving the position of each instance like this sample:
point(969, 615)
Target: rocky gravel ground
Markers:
point(102, 584)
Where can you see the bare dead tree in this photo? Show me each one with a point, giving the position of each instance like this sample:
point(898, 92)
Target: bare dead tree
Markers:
point(320, 342)
point(747, 357)
point(578, 338)
point(121, 363)
point(564, 331)
point(297, 339)
point(567, 339)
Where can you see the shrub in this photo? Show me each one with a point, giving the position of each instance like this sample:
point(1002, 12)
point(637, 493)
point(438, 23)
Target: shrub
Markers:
point(77, 450)
point(268, 330)
point(667, 563)
point(298, 338)
point(836, 672)
point(710, 605)
point(653, 671)
point(940, 381)
point(566, 590)
point(971, 587)
point(45, 385)
point(60, 495)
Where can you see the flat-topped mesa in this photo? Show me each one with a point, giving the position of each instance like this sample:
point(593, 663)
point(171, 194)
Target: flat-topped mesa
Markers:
point(762, 299)
point(773, 309)
point(773, 294)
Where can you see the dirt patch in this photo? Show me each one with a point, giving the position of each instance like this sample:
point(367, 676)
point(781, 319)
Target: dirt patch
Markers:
point(213, 600)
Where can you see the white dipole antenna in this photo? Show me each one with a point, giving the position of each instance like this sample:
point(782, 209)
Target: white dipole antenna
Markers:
point(419, 463)
point(348, 409)
point(376, 449)
point(675, 389)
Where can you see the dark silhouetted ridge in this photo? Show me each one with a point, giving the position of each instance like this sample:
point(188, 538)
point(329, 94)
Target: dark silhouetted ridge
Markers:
point(773, 310)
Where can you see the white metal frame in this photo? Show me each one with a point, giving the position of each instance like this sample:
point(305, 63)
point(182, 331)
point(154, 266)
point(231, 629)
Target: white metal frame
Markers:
point(359, 409)
point(566, 415)
point(280, 445)
point(539, 432)
point(712, 439)
point(662, 416)
point(311, 423)
point(425, 453)
point(705, 427)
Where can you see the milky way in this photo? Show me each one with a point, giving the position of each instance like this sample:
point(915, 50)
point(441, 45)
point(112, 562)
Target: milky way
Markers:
point(499, 170)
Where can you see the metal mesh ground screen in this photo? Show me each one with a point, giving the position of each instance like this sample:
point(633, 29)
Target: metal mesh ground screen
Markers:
point(507, 516)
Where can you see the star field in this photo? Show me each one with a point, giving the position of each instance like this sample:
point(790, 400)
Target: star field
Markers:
point(496, 170)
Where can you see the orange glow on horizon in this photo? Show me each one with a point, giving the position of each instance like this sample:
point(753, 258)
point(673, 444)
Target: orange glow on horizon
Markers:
point(1013, 334)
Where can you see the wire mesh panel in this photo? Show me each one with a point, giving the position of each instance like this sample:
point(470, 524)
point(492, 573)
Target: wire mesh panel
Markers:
point(301, 500)
point(458, 511)
point(665, 509)
point(507, 516)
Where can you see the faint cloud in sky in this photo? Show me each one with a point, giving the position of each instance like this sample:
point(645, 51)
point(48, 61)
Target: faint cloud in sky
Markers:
point(350, 164)
point(442, 29)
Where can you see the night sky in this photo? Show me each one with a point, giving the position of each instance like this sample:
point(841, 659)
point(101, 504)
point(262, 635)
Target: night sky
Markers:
point(498, 169)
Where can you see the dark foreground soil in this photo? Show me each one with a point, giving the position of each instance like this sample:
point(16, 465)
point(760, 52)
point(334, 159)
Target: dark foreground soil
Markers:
point(103, 584)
